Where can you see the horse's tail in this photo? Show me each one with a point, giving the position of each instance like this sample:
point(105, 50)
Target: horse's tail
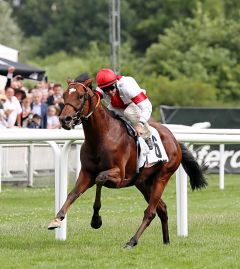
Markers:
point(193, 169)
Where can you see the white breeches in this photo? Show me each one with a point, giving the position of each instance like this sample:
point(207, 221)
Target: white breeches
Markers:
point(132, 113)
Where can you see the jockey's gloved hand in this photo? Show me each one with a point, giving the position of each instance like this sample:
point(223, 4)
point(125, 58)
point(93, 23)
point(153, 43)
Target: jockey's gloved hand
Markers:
point(139, 128)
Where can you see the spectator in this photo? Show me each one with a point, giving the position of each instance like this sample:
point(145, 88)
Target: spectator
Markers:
point(3, 99)
point(16, 82)
point(26, 110)
point(50, 88)
point(11, 70)
point(42, 86)
point(3, 122)
point(13, 82)
point(39, 108)
point(20, 94)
point(56, 99)
point(32, 90)
point(52, 118)
point(34, 122)
point(12, 109)
point(44, 97)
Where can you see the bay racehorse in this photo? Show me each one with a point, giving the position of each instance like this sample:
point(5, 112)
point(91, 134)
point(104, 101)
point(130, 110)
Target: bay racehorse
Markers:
point(109, 158)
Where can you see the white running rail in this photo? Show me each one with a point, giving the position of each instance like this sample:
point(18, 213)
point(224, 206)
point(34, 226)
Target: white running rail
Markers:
point(54, 137)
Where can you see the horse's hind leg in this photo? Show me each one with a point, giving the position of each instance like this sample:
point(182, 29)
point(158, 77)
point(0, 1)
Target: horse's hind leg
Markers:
point(163, 215)
point(161, 211)
point(96, 221)
point(157, 189)
point(82, 184)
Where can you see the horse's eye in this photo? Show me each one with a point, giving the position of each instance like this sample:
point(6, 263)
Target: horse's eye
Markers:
point(81, 97)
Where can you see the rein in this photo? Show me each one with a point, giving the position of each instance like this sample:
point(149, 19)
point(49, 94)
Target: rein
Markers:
point(97, 104)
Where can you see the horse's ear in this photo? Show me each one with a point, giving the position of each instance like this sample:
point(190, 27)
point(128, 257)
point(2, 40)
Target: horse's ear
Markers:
point(69, 81)
point(88, 82)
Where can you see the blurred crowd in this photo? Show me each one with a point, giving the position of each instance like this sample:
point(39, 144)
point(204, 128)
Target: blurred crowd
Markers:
point(38, 107)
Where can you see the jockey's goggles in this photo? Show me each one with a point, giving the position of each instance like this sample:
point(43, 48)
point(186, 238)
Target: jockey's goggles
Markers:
point(109, 88)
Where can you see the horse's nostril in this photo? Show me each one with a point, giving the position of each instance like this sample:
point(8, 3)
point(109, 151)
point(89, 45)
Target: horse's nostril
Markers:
point(68, 119)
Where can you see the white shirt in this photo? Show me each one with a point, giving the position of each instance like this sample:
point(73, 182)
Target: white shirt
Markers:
point(128, 92)
point(14, 105)
point(52, 121)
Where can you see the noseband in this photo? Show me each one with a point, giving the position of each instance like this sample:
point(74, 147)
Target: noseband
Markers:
point(78, 117)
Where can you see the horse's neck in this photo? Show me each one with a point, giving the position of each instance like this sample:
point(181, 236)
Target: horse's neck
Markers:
point(97, 125)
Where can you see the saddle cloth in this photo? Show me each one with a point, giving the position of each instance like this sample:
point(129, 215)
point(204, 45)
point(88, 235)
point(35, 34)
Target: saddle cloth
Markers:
point(147, 157)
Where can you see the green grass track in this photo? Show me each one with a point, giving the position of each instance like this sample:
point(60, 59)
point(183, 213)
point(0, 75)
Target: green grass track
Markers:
point(213, 225)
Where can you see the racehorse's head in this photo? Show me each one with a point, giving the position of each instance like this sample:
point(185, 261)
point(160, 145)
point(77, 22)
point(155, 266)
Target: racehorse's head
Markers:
point(79, 103)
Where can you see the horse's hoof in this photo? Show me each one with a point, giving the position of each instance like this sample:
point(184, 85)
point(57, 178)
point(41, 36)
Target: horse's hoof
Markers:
point(56, 223)
point(131, 244)
point(96, 222)
point(127, 246)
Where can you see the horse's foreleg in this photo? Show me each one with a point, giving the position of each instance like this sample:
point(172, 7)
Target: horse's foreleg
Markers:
point(82, 184)
point(150, 212)
point(96, 221)
point(111, 178)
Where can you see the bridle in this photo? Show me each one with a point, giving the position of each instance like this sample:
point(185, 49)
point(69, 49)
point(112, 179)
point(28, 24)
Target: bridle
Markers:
point(78, 117)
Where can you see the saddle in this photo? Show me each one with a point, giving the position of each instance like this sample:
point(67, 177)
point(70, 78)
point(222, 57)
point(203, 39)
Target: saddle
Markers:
point(146, 157)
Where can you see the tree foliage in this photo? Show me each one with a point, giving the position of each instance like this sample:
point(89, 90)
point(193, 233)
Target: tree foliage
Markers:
point(64, 25)
point(156, 15)
point(10, 34)
point(173, 48)
point(180, 92)
point(61, 66)
point(68, 25)
point(202, 49)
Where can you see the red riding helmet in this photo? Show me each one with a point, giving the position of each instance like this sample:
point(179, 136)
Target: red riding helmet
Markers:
point(105, 77)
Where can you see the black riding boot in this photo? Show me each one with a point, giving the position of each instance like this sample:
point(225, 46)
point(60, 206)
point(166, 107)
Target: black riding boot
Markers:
point(149, 143)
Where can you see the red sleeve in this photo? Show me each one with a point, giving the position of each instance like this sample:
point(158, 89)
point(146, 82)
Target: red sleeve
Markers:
point(139, 98)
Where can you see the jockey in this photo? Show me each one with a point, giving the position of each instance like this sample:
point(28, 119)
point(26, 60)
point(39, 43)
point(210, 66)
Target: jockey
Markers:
point(126, 99)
